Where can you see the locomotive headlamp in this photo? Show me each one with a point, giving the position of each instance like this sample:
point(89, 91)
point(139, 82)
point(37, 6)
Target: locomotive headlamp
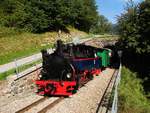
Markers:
point(40, 76)
point(120, 53)
point(110, 54)
point(68, 75)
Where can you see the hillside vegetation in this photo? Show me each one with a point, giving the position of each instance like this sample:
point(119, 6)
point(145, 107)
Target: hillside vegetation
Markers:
point(131, 94)
point(134, 31)
point(134, 27)
point(42, 15)
point(16, 44)
point(27, 26)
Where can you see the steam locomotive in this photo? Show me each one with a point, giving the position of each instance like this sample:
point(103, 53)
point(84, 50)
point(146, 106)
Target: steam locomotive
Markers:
point(70, 67)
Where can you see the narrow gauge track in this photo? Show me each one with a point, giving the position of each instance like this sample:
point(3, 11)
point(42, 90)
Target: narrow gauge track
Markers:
point(34, 104)
point(35, 70)
point(51, 105)
point(101, 107)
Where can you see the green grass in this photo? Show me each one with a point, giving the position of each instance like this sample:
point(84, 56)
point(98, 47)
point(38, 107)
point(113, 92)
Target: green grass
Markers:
point(4, 75)
point(19, 54)
point(15, 44)
point(131, 94)
point(88, 36)
point(7, 73)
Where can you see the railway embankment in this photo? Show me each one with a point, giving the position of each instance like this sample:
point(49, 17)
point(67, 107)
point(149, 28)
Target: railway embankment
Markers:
point(132, 97)
point(17, 44)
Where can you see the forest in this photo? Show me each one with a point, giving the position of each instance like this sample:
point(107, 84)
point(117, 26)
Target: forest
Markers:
point(44, 15)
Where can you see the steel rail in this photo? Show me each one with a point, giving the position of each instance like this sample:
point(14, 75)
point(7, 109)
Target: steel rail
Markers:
point(104, 94)
point(28, 73)
point(31, 105)
point(51, 105)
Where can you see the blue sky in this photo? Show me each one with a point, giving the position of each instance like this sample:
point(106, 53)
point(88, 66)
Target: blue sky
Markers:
point(111, 8)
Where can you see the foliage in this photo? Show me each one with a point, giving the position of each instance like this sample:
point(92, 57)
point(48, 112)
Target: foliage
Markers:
point(42, 15)
point(114, 29)
point(131, 94)
point(101, 26)
point(134, 27)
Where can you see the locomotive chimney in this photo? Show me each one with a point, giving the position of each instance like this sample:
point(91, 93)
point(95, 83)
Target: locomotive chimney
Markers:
point(59, 48)
point(71, 49)
point(44, 57)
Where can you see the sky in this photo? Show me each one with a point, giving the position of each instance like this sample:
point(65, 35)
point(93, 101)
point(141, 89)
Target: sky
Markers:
point(111, 8)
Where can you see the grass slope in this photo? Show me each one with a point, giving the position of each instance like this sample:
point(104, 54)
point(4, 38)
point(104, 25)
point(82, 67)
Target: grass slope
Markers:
point(15, 44)
point(131, 94)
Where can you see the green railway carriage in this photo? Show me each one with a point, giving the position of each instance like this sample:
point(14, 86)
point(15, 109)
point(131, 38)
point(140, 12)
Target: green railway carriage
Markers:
point(105, 55)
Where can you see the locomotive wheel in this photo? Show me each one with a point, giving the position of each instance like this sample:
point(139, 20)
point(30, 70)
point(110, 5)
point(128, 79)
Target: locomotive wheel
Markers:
point(40, 90)
point(77, 82)
point(90, 76)
point(75, 90)
point(51, 88)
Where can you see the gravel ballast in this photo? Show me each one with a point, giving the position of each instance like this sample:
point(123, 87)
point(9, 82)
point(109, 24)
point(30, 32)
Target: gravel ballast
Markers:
point(87, 98)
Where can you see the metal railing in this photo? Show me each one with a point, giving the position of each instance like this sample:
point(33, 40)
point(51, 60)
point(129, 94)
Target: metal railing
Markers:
point(114, 108)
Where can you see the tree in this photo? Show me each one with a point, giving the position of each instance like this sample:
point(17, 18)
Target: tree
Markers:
point(134, 27)
point(144, 27)
point(134, 30)
point(42, 15)
point(86, 14)
point(101, 26)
